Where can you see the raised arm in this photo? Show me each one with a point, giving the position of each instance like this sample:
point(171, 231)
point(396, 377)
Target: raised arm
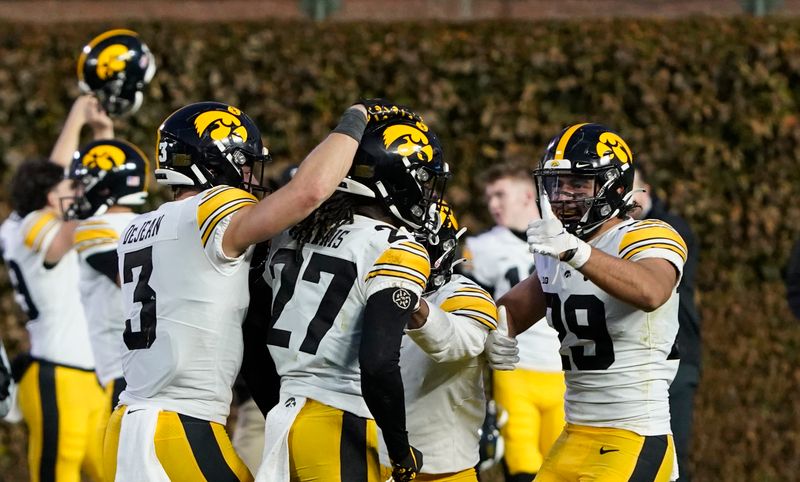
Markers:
point(316, 179)
point(85, 110)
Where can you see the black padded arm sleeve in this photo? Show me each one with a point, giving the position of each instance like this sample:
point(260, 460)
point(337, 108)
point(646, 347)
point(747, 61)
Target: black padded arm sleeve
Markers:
point(105, 263)
point(379, 356)
point(258, 368)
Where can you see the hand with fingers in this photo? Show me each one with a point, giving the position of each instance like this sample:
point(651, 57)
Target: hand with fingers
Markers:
point(548, 237)
point(95, 117)
point(408, 468)
point(381, 109)
point(501, 350)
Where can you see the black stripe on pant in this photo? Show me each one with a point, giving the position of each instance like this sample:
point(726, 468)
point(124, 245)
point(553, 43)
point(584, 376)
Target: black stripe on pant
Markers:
point(119, 387)
point(49, 401)
point(206, 450)
point(650, 459)
point(353, 449)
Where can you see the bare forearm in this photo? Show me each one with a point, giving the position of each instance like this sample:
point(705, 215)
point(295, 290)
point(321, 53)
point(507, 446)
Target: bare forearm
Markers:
point(62, 243)
point(324, 168)
point(67, 142)
point(525, 304)
point(645, 284)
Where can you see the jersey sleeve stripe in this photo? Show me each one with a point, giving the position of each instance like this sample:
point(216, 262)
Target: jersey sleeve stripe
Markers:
point(670, 247)
point(478, 319)
point(415, 247)
point(215, 200)
point(398, 274)
point(473, 306)
point(476, 292)
point(405, 258)
point(42, 224)
point(95, 244)
point(405, 268)
point(83, 235)
point(661, 230)
point(223, 211)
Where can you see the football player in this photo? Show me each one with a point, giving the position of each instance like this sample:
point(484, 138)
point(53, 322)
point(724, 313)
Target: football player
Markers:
point(184, 273)
point(607, 284)
point(111, 178)
point(345, 281)
point(532, 394)
point(442, 366)
point(60, 398)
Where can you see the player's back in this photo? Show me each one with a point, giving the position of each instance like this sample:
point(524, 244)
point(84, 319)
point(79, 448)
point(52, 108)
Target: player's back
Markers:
point(100, 294)
point(445, 399)
point(619, 359)
point(185, 302)
point(319, 301)
point(49, 294)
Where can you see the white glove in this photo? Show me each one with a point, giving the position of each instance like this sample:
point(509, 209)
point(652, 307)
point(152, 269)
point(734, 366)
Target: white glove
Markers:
point(501, 350)
point(547, 236)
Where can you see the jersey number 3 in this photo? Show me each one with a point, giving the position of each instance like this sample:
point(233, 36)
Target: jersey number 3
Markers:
point(344, 276)
point(144, 294)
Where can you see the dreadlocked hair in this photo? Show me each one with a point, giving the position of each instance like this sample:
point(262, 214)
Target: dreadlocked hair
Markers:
point(323, 221)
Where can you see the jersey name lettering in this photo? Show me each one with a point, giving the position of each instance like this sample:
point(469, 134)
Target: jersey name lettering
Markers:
point(147, 230)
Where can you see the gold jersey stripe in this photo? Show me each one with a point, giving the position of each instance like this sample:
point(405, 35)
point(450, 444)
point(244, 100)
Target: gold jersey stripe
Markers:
point(41, 226)
point(473, 303)
point(227, 209)
point(661, 230)
point(398, 274)
point(415, 246)
point(670, 247)
point(562, 143)
point(95, 243)
point(407, 259)
point(481, 321)
point(95, 234)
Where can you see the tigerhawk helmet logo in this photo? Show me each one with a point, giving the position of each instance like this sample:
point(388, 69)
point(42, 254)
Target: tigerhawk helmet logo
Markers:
point(112, 60)
point(104, 157)
point(614, 143)
point(220, 124)
point(409, 140)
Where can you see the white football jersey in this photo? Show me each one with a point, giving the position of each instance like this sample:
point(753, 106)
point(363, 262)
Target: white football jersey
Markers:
point(618, 356)
point(101, 297)
point(319, 300)
point(57, 326)
point(445, 400)
point(184, 301)
point(501, 260)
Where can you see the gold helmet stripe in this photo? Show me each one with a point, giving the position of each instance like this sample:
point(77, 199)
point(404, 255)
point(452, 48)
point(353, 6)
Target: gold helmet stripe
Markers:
point(562, 143)
point(97, 40)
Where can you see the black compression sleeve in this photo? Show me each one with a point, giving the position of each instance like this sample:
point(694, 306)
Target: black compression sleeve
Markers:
point(386, 314)
point(105, 263)
point(258, 369)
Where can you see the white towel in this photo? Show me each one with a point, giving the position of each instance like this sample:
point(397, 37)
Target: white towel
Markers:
point(275, 462)
point(136, 455)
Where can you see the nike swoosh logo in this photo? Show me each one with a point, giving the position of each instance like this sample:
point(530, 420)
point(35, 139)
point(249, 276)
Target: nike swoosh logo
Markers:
point(604, 451)
point(140, 409)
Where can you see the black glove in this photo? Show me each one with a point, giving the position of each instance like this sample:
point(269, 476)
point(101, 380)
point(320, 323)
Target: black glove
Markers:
point(382, 109)
point(407, 468)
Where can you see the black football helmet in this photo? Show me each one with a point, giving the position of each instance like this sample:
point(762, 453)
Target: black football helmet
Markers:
point(207, 144)
point(400, 162)
point(587, 172)
point(116, 66)
point(441, 246)
point(107, 173)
